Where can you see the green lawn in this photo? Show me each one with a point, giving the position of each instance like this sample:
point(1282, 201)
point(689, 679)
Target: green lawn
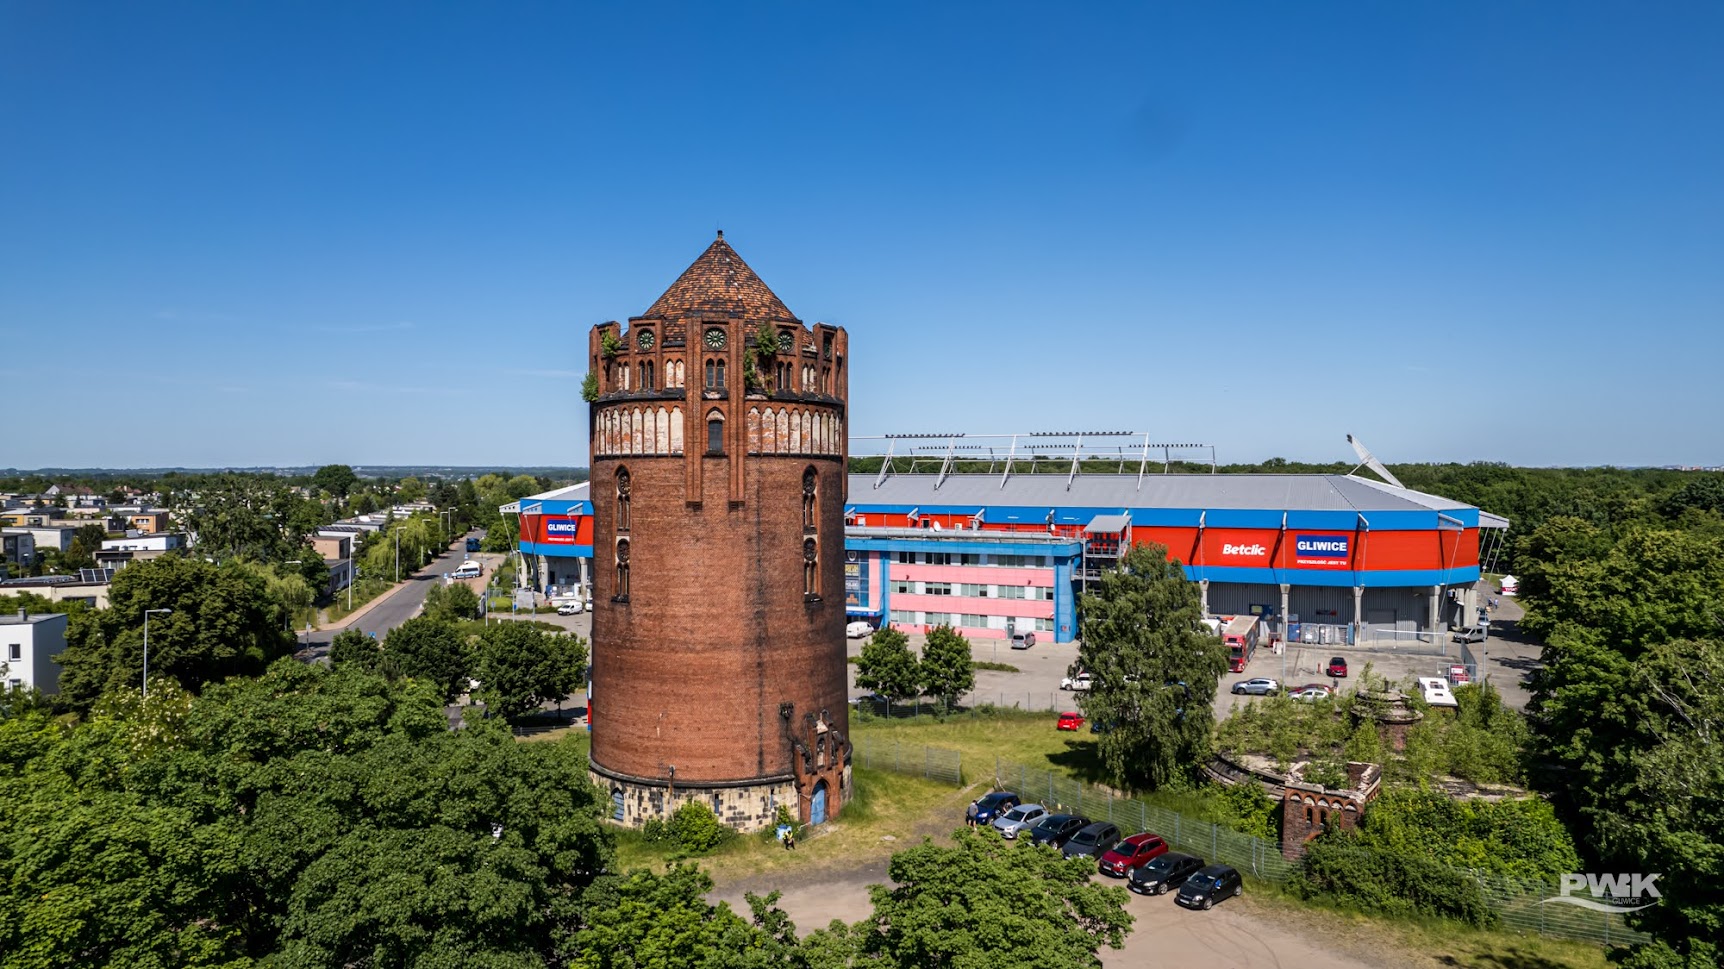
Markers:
point(1018, 737)
point(885, 806)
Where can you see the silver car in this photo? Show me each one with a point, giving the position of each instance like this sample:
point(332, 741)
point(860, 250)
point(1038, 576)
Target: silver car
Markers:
point(1019, 819)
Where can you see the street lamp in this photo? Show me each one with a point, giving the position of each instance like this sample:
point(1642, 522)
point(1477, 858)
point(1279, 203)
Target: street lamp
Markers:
point(147, 648)
point(398, 529)
point(448, 523)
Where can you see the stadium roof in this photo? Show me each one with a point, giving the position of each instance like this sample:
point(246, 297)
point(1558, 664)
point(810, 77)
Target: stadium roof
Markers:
point(1302, 492)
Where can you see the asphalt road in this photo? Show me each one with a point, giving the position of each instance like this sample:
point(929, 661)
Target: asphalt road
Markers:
point(396, 608)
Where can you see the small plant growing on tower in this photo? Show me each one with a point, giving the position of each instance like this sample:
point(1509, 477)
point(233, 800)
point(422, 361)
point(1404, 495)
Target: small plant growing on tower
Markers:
point(610, 344)
point(762, 356)
point(590, 386)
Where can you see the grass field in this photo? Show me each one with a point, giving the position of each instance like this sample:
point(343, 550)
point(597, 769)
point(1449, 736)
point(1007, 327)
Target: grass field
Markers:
point(888, 811)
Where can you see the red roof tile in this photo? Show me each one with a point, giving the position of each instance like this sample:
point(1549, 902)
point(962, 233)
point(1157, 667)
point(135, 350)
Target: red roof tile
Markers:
point(720, 285)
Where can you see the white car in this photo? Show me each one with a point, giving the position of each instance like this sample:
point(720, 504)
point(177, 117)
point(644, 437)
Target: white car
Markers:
point(1472, 634)
point(1436, 691)
point(1019, 819)
point(1023, 640)
point(569, 608)
point(858, 630)
point(1079, 682)
point(1314, 692)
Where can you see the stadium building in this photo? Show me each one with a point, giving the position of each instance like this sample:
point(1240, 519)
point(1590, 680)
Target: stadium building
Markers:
point(1326, 558)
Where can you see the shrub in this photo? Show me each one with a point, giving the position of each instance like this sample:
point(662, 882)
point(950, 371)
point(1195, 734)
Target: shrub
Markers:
point(1337, 868)
point(695, 829)
point(654, 830)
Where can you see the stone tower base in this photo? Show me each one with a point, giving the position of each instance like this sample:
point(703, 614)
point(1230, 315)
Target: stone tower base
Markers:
point(745, 806)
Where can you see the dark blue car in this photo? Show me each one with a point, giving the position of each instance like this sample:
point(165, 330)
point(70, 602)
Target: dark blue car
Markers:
point(990, 806)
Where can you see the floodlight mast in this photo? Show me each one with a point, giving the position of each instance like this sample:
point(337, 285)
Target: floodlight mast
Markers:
point(1369, 460)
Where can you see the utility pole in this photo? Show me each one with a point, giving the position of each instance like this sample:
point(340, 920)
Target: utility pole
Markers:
point(398, 529)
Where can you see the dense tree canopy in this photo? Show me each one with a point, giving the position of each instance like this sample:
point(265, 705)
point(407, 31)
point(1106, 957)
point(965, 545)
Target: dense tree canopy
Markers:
point(982, 901)
point(225, 621)
point(311, 816)
point(519, 667)
point(1629, 705)
point(1154, 668)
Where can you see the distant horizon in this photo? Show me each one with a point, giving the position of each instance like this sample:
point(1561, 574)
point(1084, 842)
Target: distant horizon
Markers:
point(68, 471)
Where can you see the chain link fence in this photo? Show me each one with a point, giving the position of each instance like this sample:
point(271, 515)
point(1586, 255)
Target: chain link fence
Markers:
point(975, 703)
point(932, 763)
point(1520, 905)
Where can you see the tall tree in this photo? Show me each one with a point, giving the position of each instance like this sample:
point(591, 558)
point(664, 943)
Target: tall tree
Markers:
point(1630, 704)
point(430, 649)
point(1154, 668)
point(887, 666)
point(519, 668)
point(983, 901)
point(224, 621)
point(336, 479)
point(947, 670)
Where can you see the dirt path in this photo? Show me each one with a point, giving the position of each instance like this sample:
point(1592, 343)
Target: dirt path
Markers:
point(1237, 934)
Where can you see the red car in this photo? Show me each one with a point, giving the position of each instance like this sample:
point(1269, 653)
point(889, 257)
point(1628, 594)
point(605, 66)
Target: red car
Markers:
point(1458, 675)
point(1338, 667)
point(1069, 721)
point(1132, 853)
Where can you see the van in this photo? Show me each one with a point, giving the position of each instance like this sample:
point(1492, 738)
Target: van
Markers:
point(468, 570)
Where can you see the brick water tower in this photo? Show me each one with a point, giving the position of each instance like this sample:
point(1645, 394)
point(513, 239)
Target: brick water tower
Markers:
point(718, 477)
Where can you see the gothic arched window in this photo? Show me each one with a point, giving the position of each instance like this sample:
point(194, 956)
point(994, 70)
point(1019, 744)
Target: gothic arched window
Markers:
point(810, 569)
point(810, 495)
point(622, 500)
point(622, 592)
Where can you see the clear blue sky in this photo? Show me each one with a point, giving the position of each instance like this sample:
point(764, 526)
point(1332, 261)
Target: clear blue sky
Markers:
point(296, 233)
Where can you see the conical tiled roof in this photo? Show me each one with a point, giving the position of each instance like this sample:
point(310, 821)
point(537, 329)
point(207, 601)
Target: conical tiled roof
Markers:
point(720, 285)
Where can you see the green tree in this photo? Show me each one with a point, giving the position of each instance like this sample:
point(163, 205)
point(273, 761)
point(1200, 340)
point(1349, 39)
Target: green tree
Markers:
point(520, 668)
point(410, 489)
point(309, 816)
point(1629, 704)
point(644, 919)
point(358, 648)
point(452, 603)
point(887, 666)
point(946, 670)
point(225, 621)
point(335, 479)
point(1154, 668)
point(982, 902)
point(431, 649)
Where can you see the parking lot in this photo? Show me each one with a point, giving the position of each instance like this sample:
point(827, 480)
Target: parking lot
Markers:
point(1508, 659)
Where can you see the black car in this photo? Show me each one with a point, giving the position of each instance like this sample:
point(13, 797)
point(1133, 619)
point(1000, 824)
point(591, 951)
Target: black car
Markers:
point(990, 806)
point(1056, 829)
point(1092, 840)
point(1208, 886)
point(1164, 873)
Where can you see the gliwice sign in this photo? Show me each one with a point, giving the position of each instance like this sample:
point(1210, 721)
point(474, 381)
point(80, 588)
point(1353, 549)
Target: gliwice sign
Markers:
point(1322, 551)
